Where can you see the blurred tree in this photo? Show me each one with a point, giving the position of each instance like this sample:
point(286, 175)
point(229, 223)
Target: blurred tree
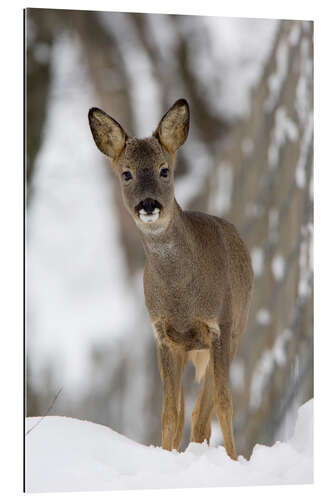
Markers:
point(39, 38)
point(271, 156)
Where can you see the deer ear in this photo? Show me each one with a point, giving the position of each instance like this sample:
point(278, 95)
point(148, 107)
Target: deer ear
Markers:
point(108, 135)
point(173, 128)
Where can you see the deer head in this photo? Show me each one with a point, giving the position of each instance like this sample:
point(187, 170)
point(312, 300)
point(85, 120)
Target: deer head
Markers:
point(145, 167)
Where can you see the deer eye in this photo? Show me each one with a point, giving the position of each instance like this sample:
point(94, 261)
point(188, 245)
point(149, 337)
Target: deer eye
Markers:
point(127, 176)
point(164, 172)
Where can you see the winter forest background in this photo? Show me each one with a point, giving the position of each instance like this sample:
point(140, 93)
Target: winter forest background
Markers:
point(248, 157)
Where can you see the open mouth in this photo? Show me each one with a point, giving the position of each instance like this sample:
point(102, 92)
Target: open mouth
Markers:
point(148, 210)
point(149, 217)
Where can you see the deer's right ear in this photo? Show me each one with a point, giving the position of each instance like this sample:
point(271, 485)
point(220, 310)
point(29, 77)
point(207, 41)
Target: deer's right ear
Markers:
point(108, 135)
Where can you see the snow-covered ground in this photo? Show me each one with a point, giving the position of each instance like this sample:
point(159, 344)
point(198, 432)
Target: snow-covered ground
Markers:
point(64, 454)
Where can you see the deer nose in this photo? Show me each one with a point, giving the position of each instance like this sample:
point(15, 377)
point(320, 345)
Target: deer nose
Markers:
point(148, 205)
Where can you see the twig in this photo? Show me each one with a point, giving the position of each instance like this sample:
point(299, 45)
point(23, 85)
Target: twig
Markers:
point(47, 411)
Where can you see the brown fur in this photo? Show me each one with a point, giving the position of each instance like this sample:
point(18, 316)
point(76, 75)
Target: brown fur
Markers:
point(197, 281)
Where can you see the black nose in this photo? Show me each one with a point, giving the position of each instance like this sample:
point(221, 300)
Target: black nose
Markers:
point(148, 205)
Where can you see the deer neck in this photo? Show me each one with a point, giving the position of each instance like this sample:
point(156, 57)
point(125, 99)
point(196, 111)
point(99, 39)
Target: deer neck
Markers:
point(170, 248)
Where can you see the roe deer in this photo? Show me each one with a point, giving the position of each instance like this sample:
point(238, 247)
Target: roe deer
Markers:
point(198, 276)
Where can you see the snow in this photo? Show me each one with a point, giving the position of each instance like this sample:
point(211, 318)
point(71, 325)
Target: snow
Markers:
point(295, 34)
point(237, 374)
point(305, 82)
point(278, 267)
point(305, 266)
point(64, 454)
point(265, 367)
point(300, 173)
point(257, 256)
point(277, 79)
point(247, 146)
point(273, 223)
point(263, 317)
point(220, 199)
point(284, 130)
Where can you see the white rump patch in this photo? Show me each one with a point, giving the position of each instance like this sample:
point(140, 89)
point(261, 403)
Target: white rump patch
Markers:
point(148, 218)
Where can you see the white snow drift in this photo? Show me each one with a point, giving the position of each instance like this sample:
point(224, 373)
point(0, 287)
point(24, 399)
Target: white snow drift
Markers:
point(65, 454)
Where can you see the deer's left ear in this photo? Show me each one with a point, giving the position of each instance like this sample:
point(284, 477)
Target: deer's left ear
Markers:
point(173, 128)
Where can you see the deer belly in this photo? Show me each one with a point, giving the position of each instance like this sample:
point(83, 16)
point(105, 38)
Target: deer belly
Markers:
point(195, 337)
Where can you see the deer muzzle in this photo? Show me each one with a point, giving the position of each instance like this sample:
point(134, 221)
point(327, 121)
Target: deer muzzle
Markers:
point(148, 210)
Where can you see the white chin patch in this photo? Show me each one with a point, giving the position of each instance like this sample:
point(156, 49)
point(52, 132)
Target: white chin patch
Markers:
point(149, 218)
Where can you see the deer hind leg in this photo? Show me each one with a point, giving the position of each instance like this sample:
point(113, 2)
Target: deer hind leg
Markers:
point(180, 420)
point(203, 409)
point(171, 365)
point(239, 330)
point(221, 359)
point(234, 347)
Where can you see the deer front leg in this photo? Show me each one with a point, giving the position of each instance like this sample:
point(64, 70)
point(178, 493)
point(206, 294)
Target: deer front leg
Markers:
point(171, 365)
point(221, 359)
